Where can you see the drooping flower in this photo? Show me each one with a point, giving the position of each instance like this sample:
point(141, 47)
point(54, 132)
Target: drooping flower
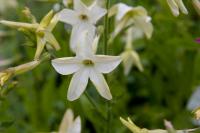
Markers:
point(129, 56)
point(127, 16)
point(176, 6)
point(43, 31)
point(13, 71)
point(69, 124)
point(82, 18)
point(86, 65)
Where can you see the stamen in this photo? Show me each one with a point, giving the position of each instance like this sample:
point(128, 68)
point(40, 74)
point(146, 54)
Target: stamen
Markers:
point(88, 63)
point(83, 17)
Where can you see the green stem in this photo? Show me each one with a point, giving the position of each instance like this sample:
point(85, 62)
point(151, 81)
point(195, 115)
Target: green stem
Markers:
point(106, 37)
point(94, 105)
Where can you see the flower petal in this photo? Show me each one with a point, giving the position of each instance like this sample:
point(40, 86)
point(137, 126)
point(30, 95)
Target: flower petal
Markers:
point(49, 37)
point(106, 64)
point(78, 84)
point(100, 83)
point(46, 20)
point(182, 6)
point(80, 6)
point(96, 13)
point(67, 121)
point(75, 127)
point(66, 66)
point(40, 47)
point(78, 36)
point(68, 16)
point(145, 25)
point(174, 7)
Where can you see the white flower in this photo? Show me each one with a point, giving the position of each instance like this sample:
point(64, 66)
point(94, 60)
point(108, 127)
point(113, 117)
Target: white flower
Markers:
point(86, 65)
point(81, 18)
point(130, 58)
point(69, 125)
point(127, 15)
point(176, 5)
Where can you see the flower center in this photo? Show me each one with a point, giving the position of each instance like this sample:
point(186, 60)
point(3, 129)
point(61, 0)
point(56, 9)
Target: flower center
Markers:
point(40, 33)
point(83, 17)
point(88, 63)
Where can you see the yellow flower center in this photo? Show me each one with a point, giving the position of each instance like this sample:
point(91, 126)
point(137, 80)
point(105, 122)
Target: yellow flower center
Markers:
point(40, 33)
point(83, 17)
point(88, 63)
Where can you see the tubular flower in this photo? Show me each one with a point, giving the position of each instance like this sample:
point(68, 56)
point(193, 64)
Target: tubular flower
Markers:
point(86, 65)
point(43, 31)
point(69, 124)
point(127, 15)
point(81, 18)
point(130, 57)
point(13, 71)
point(176, 5)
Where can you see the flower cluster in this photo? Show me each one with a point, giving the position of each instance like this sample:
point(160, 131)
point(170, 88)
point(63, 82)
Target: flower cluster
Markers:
point(84, 42)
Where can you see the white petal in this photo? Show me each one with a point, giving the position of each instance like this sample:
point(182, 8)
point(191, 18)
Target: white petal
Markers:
point(78, 84)
point(68, 16)
point(80, 6)
point(182, 6)
point(96, 13)
point(100, 83)
point(127, 63)
point(174, 7)
point(146, 26)
point(66, 66)
point(122, 10)
point(106, 64)
point(76, 126)
point(67, 121)
point(78, 36)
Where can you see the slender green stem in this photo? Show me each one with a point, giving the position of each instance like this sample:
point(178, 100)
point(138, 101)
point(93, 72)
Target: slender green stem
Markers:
point(94, 105)
point(106, 37)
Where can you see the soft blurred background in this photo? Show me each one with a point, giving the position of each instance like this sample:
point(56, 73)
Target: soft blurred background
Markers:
point(171, 60)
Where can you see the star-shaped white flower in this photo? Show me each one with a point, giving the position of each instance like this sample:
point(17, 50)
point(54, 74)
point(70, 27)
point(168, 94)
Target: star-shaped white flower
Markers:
point(127, 15)
point(82, 18)
point(176, 5)
point(86, 65)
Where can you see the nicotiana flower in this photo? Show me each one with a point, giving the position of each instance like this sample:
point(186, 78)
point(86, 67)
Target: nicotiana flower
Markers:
point(86, 65)
point(129, 56)
point(82, 18)
point(69, 124)
point(127, 16)
point(176, 5)
point(13, 71)
point(43, 31)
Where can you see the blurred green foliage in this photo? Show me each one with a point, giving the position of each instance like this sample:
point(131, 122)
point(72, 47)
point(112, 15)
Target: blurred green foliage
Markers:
point(171, 60)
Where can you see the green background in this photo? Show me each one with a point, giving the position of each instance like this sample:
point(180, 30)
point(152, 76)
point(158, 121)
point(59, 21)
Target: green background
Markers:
point(171, 59)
